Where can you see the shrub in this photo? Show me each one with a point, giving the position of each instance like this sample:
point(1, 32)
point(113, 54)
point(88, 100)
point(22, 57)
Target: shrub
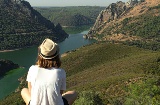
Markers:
point(144, 92)
point(88, 98)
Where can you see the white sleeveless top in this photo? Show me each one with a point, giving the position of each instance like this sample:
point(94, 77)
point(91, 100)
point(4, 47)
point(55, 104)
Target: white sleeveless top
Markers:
point(46, 85)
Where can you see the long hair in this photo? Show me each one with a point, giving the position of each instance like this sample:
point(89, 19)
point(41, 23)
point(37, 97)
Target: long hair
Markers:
point(48, 63)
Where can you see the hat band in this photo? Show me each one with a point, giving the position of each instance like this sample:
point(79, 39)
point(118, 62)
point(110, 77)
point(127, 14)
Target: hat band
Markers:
point(52, 56)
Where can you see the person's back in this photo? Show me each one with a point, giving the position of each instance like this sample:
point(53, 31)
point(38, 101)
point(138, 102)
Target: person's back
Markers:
point(46, 81)
point(46, 85)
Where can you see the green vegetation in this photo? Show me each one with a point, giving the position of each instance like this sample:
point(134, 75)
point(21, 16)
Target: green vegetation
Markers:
point(146, 25)
point(156, 7)
point(105, 73)
point(144, 92)
point(71, 16)
point(108, 74)
point(153, 45)
point(14, 70)
point(6, 65)
point(20, 25)
point(88, 98)
point(77, 29)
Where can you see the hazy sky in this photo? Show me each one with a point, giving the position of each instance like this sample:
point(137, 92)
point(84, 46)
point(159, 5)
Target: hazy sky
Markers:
point(72, 2)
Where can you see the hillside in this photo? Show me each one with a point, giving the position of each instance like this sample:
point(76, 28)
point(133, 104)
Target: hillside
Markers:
point(6, 65)
point(73, 20)
point(20, 25)
point(71, 16)
point(110, 72)
point(136, 22)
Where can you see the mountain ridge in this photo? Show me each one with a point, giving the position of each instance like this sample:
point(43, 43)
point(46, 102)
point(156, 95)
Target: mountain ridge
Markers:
point(110, 28)
point(19, 21)
point(71, 16)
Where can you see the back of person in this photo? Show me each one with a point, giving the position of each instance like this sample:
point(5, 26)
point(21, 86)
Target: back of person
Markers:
point(46, 85)
point(46, 81)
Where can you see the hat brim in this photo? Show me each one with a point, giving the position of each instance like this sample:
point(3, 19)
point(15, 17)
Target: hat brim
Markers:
point(49, 57)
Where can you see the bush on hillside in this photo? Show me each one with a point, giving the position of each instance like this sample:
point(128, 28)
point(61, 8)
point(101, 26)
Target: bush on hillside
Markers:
point(146, 26)
point(156, 7)
point(145, 92)
point(154, 45)
point(152, 66)
point(88, 98)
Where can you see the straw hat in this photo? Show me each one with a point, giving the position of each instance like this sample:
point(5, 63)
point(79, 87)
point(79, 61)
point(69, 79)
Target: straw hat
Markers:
point(48, 49)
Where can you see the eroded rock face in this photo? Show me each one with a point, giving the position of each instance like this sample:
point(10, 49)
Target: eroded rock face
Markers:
point(131, 3)
point(112, 12)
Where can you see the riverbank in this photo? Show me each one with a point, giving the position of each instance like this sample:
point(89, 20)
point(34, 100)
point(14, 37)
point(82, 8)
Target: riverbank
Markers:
point(62, 55)
point(16, 49)
point(10, 50)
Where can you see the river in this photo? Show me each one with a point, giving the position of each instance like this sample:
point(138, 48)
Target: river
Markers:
point(27, 56)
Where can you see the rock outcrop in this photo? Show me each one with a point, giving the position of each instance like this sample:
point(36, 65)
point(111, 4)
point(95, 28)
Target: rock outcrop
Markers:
point(131, 3)
point(111, 13)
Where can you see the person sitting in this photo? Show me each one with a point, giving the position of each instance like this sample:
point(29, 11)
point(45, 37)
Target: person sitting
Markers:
point(46, 80)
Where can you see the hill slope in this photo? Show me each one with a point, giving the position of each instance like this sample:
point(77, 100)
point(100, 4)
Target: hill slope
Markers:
point(131, 21)
point(104, 68)
point(6, 65)
point(73, 20)
point(71, 16)
point(20, 25)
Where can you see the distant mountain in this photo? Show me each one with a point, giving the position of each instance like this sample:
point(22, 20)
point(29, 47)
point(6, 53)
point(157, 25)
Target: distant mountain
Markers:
point(71, 16)
point(134, 22)
point(21, 26)
point(6, 65)
point(74, 20)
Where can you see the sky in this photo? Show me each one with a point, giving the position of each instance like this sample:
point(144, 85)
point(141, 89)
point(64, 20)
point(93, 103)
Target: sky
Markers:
point(72, 2)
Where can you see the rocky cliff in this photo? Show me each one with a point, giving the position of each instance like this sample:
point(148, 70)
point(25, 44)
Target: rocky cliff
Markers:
point(21, 26)
point(112, 13)
point(132, 23)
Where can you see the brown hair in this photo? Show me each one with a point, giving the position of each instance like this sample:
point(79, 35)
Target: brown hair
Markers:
point(48, 63)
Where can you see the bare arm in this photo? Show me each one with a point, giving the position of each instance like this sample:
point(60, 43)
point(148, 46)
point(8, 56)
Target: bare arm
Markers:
point(29, 87)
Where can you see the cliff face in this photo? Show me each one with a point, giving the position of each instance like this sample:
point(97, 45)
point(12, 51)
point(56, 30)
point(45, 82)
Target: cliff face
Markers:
point(20, 25)
point(111, 13)
point(132, 23)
